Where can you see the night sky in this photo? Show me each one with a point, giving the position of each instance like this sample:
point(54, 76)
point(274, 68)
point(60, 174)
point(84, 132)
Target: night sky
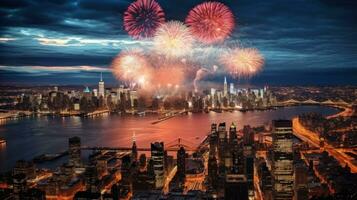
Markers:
point(304, 42)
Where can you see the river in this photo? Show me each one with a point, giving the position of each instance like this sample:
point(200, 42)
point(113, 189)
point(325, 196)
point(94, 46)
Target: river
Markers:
point(27, 138)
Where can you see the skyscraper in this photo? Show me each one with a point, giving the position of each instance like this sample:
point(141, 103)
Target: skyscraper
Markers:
point(222, 142)
point(300, 182)
point(19, 185)
point(225, 87)
point(126, 181)
point(157, 156)
point(249, 173)
point(134, 150)
point(212, 171)
point(248, 135)
point(282, 165)
point(74, 149)
point(181, 163)
point(231, 88)
point(235, 187)
point(233, 139)
point(213, 139)
point(101, 91)
point(91, 178)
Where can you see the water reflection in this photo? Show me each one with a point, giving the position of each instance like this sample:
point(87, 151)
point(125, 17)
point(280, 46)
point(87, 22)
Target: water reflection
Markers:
point(31, 137)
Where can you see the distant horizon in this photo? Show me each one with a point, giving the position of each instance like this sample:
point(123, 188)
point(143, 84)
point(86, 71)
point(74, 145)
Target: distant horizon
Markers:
point(281, 78)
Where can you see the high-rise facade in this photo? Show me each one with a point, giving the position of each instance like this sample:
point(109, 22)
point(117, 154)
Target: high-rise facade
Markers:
point(212, 171)
point(74, 149)
point(300, 182)
point(248, 135)
point(126, 181)
point(101, 90)
point(235, 187)
point(134, 150)
point(222, 142)
point(231, 89)
point(282, 165)
point(181, 163)
point(91, 178)
point(157, 156)
point(225, 87)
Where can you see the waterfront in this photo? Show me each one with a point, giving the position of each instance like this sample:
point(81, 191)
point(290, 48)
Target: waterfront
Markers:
point(27, 138)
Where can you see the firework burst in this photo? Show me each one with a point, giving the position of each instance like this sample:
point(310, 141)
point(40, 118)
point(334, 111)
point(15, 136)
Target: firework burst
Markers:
point(173, 40)
point(132, 66)
point(210, 22)
point(142, 18)
point(242, 62)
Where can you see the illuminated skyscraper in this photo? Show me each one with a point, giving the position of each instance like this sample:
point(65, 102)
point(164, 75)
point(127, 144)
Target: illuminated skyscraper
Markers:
point(231, 88)
point(181, 163)
point(157, 156)
point(95, 92)
point(212, 171)
point(222, 143)
point(134, 150)
point(74, 145)
point(282, 165)
point(225, 87)
point(101, 91)
point(233, 139)
point(300, 182)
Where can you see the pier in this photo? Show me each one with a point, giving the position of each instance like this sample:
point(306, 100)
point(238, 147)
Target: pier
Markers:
point(97, 113)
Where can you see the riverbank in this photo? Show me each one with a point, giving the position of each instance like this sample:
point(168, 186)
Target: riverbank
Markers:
point(33, 136)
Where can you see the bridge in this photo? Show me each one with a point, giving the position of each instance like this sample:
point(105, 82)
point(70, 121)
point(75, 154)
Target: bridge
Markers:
point(340, 104)
point(170, 146)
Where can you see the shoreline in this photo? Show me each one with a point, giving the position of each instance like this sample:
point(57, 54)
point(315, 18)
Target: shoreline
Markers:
point(15, 114)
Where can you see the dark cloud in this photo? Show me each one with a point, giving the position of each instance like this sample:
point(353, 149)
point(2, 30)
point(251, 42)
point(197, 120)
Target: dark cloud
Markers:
point(292, 35)
point(13, 4)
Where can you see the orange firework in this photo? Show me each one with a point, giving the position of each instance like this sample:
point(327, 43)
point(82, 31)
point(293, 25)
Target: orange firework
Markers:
point(242, 62)
point(131, 66)
point(170, 75)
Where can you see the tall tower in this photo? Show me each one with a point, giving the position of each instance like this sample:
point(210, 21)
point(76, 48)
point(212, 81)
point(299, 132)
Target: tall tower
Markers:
point(282, 165)
point(181, 163)
point(74, 150)
point(157, 155)
point(225, 88)
point(101, 86)
point(134, 150)
point(231, 88)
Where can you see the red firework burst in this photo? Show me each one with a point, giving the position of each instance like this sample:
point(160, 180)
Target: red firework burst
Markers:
point(142, 18)
point(210, 22)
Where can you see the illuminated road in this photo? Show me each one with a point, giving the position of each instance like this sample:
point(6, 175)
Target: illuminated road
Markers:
point(308, 136)
point(258, 193)
point(194, 182)
point(168, 179)
point(345, 113)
